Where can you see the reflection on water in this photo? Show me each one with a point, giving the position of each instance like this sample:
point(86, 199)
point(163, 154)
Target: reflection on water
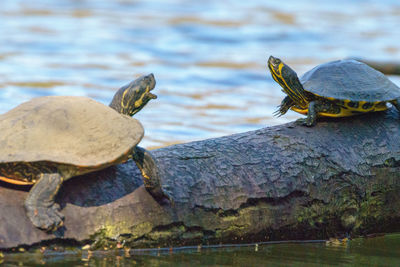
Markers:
point(209, 57)
point(378, 251)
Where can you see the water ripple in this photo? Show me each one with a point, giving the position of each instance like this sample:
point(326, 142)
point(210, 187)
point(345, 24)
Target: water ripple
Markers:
point(209, 57)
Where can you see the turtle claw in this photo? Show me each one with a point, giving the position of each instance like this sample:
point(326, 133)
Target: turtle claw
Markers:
point(304, 122)
point(300, 121)
point(48, 218)
point(277, 113)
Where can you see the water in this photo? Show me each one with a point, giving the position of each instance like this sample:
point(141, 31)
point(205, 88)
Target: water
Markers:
point(378, 251)
point(209, 57)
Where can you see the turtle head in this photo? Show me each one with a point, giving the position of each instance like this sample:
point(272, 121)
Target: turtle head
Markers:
point(132, 97)
point(288, 80)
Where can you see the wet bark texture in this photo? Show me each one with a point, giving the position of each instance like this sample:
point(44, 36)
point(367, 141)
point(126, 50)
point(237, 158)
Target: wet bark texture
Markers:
point(282, 182)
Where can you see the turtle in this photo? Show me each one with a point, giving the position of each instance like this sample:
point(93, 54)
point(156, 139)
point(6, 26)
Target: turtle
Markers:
point(50, 139)
point(339, 88)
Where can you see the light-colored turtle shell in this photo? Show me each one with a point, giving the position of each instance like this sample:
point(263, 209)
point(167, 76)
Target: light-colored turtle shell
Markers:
point(67, 129)
point(349, 80)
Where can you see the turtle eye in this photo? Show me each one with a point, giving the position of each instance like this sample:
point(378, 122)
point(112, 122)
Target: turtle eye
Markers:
point(277, 63)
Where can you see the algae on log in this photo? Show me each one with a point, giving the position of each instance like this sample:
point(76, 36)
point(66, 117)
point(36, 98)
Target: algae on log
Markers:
point(282, 182)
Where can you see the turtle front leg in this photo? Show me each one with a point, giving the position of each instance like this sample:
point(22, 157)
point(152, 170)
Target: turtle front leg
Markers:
point(285, 105)
point(151, 178)
point(40, 206)
point(312, 115)
point(315, 107)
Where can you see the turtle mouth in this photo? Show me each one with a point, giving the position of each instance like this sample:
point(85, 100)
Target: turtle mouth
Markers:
point(273, 62)
point(151, 95)
point(151, 84)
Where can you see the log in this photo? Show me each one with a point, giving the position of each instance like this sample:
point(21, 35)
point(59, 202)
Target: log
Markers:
point(277, 183)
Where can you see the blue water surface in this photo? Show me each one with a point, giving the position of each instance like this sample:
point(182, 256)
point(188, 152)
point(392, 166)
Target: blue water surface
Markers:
point(209, 57)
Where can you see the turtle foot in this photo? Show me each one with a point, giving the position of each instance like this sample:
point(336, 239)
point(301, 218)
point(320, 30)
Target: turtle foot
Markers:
point(304, 122)
point(161, 196)
point(48, 218)
point(166, 199)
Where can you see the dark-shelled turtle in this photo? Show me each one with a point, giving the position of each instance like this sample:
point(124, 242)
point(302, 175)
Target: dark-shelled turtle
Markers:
point(335, 89)
point(50, 139)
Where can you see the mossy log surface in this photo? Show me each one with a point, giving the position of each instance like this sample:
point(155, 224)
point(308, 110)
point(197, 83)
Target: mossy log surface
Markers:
point(277, 183)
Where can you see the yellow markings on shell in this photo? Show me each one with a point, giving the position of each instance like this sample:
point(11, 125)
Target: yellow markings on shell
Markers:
point(25, 173)
point(17, 173)
point(346, 111)
point(17, 182)
point(380, 106)
point(300, 110)
point(371, 107)
point(343, 113)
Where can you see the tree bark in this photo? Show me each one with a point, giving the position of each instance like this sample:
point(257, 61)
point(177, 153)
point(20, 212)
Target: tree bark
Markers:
point(277, 183)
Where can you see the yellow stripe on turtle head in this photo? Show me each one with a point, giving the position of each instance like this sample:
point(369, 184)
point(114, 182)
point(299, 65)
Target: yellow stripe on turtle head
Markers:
point(139, 102)
point(127, 99)
point(295, 95)
point(123, 105)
